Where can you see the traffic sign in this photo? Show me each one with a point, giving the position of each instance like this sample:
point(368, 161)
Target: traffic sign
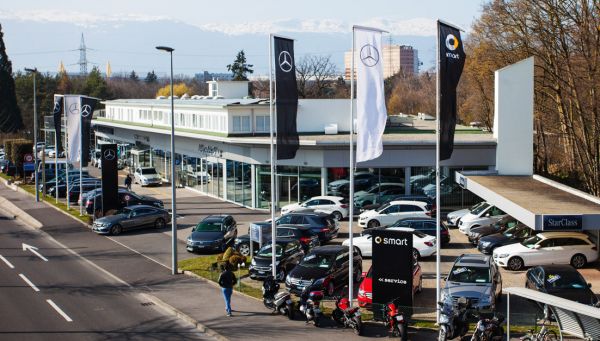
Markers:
point(28, 158)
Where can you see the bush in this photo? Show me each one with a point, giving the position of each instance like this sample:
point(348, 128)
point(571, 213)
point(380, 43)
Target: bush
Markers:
point(19, 149)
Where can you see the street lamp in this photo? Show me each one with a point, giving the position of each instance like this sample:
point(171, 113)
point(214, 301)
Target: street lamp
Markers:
point(173, 197)
point(35, 129)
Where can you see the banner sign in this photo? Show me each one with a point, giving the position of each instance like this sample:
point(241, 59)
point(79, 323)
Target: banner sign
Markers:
point(260, 232)
point(110, 178)
point(57, 113)
point(562, 223)
point(392, 270)
point(87, 111)
point(286, 99)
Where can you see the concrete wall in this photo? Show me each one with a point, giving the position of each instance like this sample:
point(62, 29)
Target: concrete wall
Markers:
point(315, 114)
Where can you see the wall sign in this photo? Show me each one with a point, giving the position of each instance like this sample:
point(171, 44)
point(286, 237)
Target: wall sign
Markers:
point(110, 179)
point(209, 151)
point(462, 181)
point(562, 222)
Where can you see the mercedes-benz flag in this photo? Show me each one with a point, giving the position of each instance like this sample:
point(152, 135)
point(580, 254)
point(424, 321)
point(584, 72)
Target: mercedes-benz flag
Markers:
point(371, 113)
point(73, 105)
point(286, 94)
point(57, 113)
point(88, 105)
point(452, 60)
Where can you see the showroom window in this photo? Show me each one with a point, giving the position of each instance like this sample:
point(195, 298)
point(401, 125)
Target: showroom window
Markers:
point(241, 124)
point(262, 124)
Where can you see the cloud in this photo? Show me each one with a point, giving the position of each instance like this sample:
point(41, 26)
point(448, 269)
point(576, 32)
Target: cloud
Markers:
point(82, 19)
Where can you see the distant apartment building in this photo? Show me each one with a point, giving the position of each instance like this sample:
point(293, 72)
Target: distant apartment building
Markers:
point(394, 57)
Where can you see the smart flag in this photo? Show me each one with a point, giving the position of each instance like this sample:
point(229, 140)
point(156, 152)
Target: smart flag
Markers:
point(286, 95)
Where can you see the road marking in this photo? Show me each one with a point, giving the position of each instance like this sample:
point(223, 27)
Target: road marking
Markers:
point(29, 282)
point(7, 262)
point(58, 310)
point(33, 250)
point(139, 253)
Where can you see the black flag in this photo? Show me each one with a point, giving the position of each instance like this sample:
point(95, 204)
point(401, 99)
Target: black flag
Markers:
point(110, 178)
point(87, 111)
point(286, 95)
point(452, 60)
point(57, 114)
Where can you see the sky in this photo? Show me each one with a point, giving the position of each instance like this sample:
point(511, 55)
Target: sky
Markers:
point(123, 32)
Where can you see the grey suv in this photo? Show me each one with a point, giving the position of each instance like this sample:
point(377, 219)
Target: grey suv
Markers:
point(477, 278)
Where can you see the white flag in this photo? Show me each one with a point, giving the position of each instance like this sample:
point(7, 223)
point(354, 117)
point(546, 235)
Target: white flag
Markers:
point(370, 98)
point(72, 107)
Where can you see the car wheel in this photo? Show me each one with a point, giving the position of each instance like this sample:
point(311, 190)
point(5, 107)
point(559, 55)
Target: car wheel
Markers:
point(159, 224)
point(116, 230)
point(358, 251)
point(244, 249)
point(515, 263)
point(578, 261)
point(358, 275)
point(330, 289)
point(416, 254)
point(337, 216)
point(420, 286)
point(372, 224)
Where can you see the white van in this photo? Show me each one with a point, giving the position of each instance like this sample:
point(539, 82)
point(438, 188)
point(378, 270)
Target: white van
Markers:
point(484, 214)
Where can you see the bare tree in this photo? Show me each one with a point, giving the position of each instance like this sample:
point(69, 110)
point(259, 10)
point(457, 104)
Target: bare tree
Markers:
point(316, 76)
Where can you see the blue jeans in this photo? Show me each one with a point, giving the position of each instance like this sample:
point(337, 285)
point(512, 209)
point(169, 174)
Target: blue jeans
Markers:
point(227, 296)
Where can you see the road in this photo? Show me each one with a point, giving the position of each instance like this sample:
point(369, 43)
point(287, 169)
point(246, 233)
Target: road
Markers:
point(59, 296)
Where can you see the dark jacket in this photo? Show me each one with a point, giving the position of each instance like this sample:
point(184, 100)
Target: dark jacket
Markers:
point(227, 279)
point(128, 180)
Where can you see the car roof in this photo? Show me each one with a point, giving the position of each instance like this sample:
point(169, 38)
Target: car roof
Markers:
point(282, 241)
point(473, 259)
point(327, 197)
point(557, 268)
point(405, 229)
point(329, 249)
point(292, 226)
point(314, 214)
point(142, 206)
point(215, 217)
point(406, 202)
point(546, 235)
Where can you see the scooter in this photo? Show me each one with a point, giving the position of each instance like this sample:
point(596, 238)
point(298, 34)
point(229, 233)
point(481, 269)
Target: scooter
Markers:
point(396, 321)
point(310, 301)
point(453, 318)
point(279, 302)
point(347, 316)
point(489, 329)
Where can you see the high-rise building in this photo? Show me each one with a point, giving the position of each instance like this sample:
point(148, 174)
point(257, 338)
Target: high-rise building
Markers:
point(395, 58)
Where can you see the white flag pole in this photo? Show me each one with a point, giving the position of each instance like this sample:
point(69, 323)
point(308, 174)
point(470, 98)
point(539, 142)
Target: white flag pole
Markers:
point(437, 180)
point(67, 153)
point(273, 227)
point(351, 174)
point(80, 158)
point(56, 159)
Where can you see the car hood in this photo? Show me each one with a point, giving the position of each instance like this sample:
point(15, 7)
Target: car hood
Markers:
point(459, 213)
point(264, 261)
point(468, 289)
point(111, 218)
point(291, 207)
point(301, 272)
point(483, 229)
point(338, 182)
point(356, 240)
point(361, 193)
point(584, 296)
point(495, 238)
point(149, 176)
point(196, 236)
point(513, 248)
point(147, 198)
point(368, 214)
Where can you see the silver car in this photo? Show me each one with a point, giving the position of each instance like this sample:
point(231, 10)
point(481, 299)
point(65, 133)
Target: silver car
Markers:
point(131, 218)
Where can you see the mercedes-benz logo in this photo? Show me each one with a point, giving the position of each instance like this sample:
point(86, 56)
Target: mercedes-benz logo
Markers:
point(369, 55)
point(73, 108)
point(56, 109)
point(109, 154)
point(286, 63)
point(86, 110)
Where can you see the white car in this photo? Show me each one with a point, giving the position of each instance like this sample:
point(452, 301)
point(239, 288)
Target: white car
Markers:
point(336, 206)
point(202, 176)
point(423, 243)
point(573, 248)
point(482, 215)
point(390, 213)
point(146, 176)
point(453, 218)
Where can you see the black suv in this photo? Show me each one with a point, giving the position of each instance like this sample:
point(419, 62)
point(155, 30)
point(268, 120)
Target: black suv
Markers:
point(126, 198)
point(476, 233)
point(328, 264)
point(322, 224)
point(307, 238)
point(288, 253)
point(213, 233)
point(515, 234)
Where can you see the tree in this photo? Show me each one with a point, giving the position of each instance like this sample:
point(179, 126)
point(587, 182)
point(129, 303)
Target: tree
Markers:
point(179, 90)
point(240, 68)
point(151, 77)
point(133, 76)
point(316, 76)
point(95, 85)
point(64, 83)
point(10, 114)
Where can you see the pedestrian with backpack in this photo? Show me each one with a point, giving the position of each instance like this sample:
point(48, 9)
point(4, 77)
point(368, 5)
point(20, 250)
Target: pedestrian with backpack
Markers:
point(227, 280)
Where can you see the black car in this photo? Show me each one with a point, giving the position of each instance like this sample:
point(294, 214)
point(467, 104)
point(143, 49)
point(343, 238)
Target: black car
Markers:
point(213, 233)
point(425, 225)
point(87, 183)
point(288, 253)
point(560, 280)
point(500, 226)
point(309, 188)
point(126, 198)
point(362, 181)
point(322, 224)
point(131, 218)
point(515, 234)
point(307, 238)
point(328, 264)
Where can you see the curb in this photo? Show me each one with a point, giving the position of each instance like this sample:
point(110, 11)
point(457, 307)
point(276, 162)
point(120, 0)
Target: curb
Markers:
point(19, 214)
point(214, 284)
point(181, 315)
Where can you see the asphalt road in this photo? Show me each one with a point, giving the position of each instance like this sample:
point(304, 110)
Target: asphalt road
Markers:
point(66, 298)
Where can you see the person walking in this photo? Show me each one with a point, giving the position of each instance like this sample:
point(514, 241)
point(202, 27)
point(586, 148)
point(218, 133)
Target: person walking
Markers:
point(128, 182)
point(227, 280)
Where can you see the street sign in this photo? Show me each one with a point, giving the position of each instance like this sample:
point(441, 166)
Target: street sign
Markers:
point(28, 158)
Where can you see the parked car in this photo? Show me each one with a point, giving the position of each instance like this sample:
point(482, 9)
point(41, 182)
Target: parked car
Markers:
point(410, 197)
point(423, 244)
point(497, 227)
point(389, 214)
point(147, 176)
point(515, 234)
point(199, 172)
point(573, 248)
point(307, 238)
point(341, 187)
point(73, 183)
point(378, 193)
point(453, 218)
point(560, 280)
point(365, 290)
point(126, 198)
point(328, 263)
point(75, 190)
point(482, 215)
point(213, 233)
point(288, 254)
point(336, 206)
point(9, 168)
point(131, 218)
point(476, 278)
point(320, 223)
point(309, 187)
point(95, 157)
point(426, 225)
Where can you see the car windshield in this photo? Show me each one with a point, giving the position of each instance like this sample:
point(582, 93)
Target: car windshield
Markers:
point(565, 280)
point(479, 209)
point(373, 189)
point(474, 207)
point(469, 274)
point(530, 242)
point(124, 210)
point(208, 227)
point(383, 207)
point(148, 171)
point(510, 231)
point(267, 251)
point(317, 261)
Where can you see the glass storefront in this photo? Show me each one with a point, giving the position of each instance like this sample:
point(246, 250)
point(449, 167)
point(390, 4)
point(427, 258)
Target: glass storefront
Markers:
point(239, 183)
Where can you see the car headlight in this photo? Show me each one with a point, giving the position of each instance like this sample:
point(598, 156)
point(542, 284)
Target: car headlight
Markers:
point(444, 318)
point(485, 300)
point(503, 255)
point(485, 244)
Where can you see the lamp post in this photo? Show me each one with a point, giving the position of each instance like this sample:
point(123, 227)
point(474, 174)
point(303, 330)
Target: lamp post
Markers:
point(173, 197)
point(35, 129)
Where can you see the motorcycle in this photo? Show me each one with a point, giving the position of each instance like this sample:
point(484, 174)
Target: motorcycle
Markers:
point(489, 329)
point(396, 321)
point(279, 302)
point(347, 316)
point(453, 318)
point(310, 302)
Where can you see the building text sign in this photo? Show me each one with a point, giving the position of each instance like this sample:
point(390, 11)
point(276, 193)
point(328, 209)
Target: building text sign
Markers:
point(562, 222)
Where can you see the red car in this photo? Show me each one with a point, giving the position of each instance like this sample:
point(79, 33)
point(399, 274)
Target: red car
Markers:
point(365, 291)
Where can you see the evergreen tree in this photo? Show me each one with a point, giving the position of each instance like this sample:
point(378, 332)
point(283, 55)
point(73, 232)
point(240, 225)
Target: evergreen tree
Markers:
point(95, 85)
point(133, 76)
point(10, 114)
point(151, 77)
point(239, 68)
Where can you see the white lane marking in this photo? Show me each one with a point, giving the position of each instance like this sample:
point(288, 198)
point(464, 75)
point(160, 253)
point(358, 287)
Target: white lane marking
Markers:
point(58, 310)
point(139, 253)
point(29, 282)
point(7, 262)
point(33, 250)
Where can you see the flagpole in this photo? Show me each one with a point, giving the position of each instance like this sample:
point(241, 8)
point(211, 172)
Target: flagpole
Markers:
point(351, 192)
point(56, 160)
point(67, 152)
point(437, 178)
point(80, 158)
point(273, 227)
